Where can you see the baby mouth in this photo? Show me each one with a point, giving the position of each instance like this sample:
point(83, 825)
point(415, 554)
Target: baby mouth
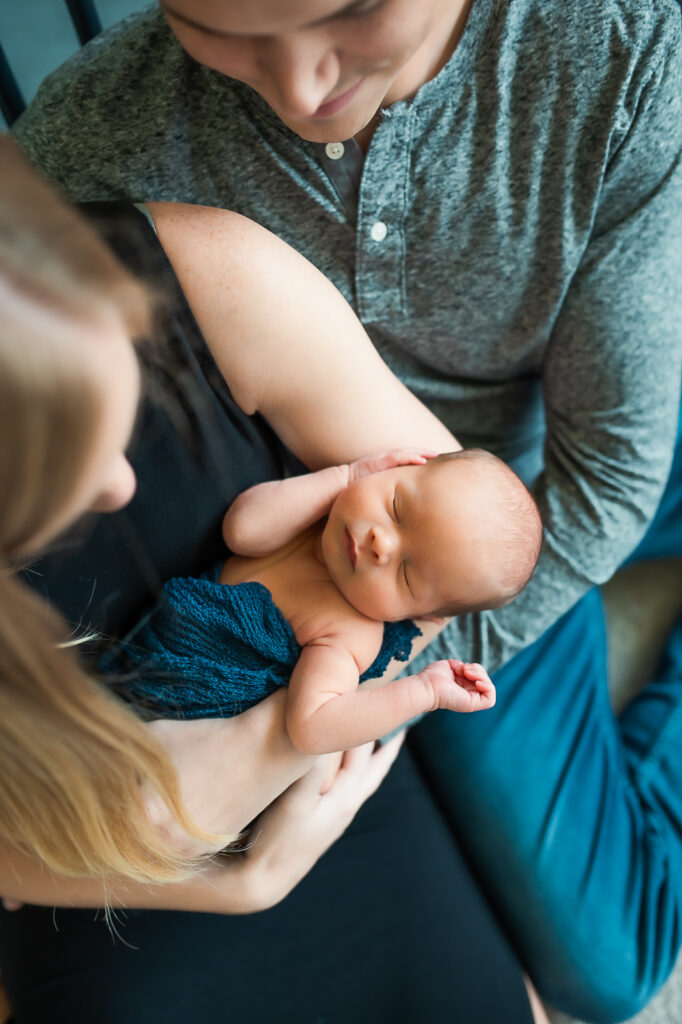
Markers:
point(351, 547)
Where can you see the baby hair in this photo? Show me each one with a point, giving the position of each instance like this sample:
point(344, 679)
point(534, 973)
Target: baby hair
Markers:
point(515, 528)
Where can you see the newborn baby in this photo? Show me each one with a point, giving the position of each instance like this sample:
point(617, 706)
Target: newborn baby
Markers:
point(406, 536)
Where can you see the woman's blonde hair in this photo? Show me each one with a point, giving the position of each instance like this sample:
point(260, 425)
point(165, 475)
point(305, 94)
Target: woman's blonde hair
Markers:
point(73, 758)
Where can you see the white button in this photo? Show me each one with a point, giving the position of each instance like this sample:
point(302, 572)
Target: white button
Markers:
point(379, 231)
point(335, 150)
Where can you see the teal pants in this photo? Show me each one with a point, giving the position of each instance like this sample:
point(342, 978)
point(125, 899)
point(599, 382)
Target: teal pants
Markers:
point(572, 817)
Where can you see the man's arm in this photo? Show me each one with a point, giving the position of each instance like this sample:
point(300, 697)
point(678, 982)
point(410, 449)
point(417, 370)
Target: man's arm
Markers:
point(611, 379)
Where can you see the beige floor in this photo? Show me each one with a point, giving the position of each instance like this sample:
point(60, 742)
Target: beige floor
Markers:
point(642, 602)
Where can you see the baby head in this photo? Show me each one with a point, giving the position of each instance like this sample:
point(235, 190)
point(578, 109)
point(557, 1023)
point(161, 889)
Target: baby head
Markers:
point(458, 534)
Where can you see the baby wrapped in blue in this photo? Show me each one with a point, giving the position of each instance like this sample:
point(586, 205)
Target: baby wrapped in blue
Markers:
point(210, 650)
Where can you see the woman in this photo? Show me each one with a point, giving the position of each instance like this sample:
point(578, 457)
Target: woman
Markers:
point(497, 187)
point(373, 925)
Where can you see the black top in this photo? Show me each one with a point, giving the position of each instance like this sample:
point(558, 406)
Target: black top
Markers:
point(193, 451)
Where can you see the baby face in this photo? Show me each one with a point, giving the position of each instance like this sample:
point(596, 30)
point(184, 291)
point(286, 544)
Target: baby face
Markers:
point(398, 544)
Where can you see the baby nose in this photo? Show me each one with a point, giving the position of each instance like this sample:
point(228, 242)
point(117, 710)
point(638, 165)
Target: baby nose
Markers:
point(382, 545)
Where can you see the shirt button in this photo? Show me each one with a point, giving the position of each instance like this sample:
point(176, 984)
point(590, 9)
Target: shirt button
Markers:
point(335, 150)
point(379, 231)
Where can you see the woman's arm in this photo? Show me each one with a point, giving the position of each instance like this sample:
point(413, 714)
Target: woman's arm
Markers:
point(291, 348)
point(285, 842)
point(287, 342)
point(231, 768)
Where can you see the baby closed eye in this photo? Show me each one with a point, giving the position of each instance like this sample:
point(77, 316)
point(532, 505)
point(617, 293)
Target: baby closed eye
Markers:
point(395, 508)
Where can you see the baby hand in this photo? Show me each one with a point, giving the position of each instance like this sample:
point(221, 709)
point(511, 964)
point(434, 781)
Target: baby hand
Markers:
point(388, 460)
point(459, 687)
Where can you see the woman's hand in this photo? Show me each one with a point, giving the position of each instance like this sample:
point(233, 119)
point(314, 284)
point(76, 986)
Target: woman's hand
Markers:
point(228, 770)
point(284, 843)
point(293, 833)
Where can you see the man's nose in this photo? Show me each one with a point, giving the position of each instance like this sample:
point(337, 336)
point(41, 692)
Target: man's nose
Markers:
point(301, 69)
point(383, 544)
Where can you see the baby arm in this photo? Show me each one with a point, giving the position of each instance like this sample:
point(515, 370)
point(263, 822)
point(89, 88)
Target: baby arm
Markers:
point(326, 711)
point(269, 515)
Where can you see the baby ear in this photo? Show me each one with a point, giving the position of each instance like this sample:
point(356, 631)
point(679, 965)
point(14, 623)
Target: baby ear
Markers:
point(438, 619)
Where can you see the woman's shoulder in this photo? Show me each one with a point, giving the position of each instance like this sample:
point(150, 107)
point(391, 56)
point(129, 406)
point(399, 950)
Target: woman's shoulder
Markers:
point(129, 231)
point(193, 451)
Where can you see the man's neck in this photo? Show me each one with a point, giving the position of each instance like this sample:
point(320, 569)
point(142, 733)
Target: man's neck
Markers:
point(424, 65)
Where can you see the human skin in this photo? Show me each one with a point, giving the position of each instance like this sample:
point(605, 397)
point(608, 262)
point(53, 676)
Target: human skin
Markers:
point(401, 540)
point(325, 709)
point(292, 833)
point(295, 830)
point(302, 381)
point(208, 247)
point(404, 537)
point(325, 67)
point(417, 538)
point(249, 759)
point(296, 81)
point(108, 482)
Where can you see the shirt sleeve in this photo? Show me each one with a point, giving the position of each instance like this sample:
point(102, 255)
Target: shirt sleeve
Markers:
point(98, 124)
point(611, 379)
point(50, 132)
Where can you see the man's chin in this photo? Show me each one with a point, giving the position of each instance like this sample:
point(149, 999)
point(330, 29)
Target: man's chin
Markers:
point(328, 129)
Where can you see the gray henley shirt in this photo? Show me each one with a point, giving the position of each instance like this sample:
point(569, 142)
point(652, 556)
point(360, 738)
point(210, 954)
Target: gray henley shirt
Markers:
point(512, 242)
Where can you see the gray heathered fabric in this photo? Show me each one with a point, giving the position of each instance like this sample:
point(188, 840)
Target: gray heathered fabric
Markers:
point(533, 263)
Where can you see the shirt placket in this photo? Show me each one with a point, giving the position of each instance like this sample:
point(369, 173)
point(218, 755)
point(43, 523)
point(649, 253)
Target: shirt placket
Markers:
point(382, 210)
point(374, 191)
